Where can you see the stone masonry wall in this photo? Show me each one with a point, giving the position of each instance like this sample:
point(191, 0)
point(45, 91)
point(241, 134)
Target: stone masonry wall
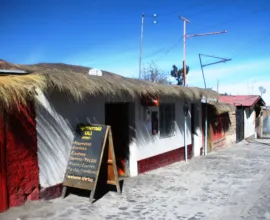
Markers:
point(231, 133)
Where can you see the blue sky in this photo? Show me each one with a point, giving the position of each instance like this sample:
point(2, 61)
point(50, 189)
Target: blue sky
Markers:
point(106, 34)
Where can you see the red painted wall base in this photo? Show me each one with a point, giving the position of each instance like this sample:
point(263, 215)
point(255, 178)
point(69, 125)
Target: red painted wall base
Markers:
point(164, 159)
point(51, 192)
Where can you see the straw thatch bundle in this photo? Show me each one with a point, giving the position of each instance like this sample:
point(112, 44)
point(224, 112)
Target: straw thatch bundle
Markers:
point(221, 107)
point(16, 90)
point(76, 81)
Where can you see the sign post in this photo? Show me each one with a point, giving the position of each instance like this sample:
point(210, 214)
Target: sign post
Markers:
point(86, 158)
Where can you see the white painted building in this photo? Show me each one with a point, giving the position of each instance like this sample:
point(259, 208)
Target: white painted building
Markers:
point(57, 118)
point(59, 97)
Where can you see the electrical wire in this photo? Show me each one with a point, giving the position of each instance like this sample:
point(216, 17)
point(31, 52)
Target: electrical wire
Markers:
point(164, 50)
point(169, 50)
point(154, 53)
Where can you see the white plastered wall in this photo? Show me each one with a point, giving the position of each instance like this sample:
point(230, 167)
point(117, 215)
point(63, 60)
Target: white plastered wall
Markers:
point(146, 145)
point(197, 136)
point(249, 118)
point(56, 119)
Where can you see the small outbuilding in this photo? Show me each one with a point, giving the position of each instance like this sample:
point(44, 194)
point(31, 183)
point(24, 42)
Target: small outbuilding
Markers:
point(247, 114)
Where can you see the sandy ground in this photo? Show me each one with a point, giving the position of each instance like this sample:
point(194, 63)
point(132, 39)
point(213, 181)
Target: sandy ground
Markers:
point(231, 184)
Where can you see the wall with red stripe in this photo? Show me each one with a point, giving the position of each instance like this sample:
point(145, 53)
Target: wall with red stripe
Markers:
point(20, 157)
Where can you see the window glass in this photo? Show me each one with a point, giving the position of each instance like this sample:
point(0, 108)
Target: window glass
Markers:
point(154, 122)
point(167, 119)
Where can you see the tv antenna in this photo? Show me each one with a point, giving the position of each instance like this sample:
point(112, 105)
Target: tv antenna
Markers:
point(262, 90)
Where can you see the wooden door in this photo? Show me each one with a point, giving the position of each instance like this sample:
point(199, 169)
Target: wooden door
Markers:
point(240, 125)
point(3, 169)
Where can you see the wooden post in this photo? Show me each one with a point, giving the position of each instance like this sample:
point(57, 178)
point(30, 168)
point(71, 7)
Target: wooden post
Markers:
point(99, 165)
point(64, 191)
point(112, 167)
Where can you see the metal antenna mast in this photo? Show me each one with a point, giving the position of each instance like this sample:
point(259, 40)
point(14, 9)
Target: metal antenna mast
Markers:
point(222, 60)
point(190, 36)
point(141, 42)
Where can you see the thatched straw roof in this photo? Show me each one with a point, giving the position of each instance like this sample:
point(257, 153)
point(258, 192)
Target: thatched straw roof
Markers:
point(76, 81)
point(221, 107)
point(17, 89)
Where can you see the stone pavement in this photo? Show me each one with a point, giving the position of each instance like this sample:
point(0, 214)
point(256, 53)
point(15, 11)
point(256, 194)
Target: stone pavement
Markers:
point(232, 184)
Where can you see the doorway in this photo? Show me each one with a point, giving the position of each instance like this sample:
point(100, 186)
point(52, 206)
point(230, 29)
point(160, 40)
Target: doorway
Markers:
point(240, 125)
point(195, 114)
point(119, 116)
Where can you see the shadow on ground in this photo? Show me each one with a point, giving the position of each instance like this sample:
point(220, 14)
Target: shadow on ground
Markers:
point(258, 142)
point(264, 138)
point(101, 190)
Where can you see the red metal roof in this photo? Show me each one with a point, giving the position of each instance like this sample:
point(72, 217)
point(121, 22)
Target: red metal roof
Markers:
point(241, 100)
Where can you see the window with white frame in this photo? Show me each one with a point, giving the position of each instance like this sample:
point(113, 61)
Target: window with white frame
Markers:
point(167, 120)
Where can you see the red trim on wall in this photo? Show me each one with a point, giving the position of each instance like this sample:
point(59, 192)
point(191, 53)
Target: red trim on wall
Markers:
point(51, 192)
point(164, 159)
point(21, 156)
point(3, 170)
point(219, 143)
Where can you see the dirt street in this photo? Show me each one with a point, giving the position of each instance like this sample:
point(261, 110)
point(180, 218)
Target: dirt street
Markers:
point(233, 183)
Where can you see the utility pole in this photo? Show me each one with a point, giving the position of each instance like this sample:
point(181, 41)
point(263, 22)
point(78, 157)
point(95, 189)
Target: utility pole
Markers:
point(217, 85)
point(141, 43)
point(184, 48)
point(190, 36)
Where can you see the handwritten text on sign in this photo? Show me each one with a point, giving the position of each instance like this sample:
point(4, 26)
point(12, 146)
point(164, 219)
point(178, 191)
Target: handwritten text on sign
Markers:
point(85, 154)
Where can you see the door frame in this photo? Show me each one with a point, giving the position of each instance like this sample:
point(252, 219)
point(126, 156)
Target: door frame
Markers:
point(129, 109)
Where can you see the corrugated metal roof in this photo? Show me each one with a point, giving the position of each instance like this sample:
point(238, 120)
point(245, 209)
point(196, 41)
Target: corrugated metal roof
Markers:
point(241, 100)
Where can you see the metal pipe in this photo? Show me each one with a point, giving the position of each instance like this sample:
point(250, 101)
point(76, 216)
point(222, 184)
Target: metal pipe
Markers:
point(185, 138)
point(185, 131)
point(205, 130)
point(205, 55)
point(184, 48)
point(202, 71)
point(222, 61)
point(184, 52)
point(199, 35)
point(205, 115)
